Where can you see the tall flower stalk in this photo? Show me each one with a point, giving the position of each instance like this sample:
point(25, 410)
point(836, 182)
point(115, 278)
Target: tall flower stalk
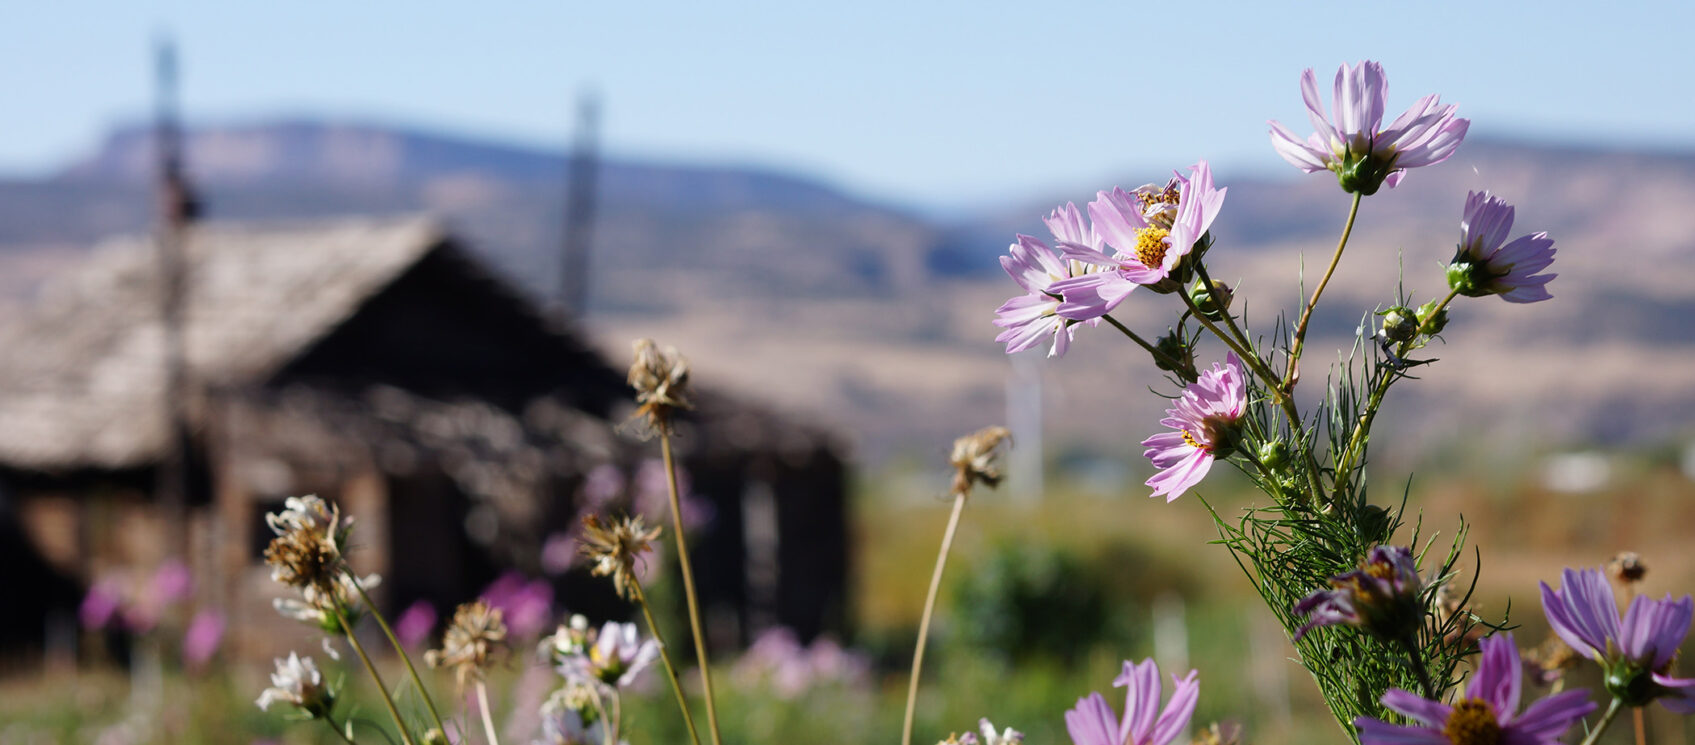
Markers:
point(614, 551)
point(400, 649)
point(660, 378)
point(975, 460)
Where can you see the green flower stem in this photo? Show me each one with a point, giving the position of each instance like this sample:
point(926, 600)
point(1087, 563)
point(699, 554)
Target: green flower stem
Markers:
point(388, 738)
point(339, 732)
point(353, 640)
point(929, 610)
point(424, 693)
point(1229, 320)
point(1263, 372)
point(688, 587)
point(1293, 374)
point(665, 657)
point(1416, 657)
point(488, 717)
point(1606, 719)
point(1153, 350)
point(1356, 440)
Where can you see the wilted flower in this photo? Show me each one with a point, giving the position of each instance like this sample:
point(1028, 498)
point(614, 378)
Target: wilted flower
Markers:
point(1092, 722)
point(616, 656)
point(976, 458)
point(1382, 597)
point(1207, 418)
point(1034, 316)
point(318, 606)
point(1487, 715)
point(1627, 568)
point(661, 378)
point(1635, 653)
point(615, 550)
point(1220, 733)
point(474, 637)
point(1152, 232)
point(1484, 266)
point(1350, 144)
point(307, 551)
point(1549, 661)
point(297, 682)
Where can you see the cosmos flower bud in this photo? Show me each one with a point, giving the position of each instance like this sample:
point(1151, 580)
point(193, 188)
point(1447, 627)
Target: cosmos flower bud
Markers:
point(1178, 355)
point(1432, 317)
point(1274, 454)
point(1400, 324)
point(1213, 301)
point(1373, 522)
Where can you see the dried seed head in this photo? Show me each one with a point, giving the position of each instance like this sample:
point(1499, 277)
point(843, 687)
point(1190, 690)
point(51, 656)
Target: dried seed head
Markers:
point(1627, 568)
point(661, 378)
point(615, 549)
point(303, 559)
point(307, 550)
point(1220, 733)
point(976, 458)
point(476, 635)
point(1548, 662)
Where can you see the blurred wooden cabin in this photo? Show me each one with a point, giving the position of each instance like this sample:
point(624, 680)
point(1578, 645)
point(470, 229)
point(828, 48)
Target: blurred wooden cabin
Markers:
point(375, 362)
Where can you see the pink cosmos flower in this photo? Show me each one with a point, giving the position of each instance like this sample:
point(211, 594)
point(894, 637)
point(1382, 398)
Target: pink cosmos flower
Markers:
point(1350, 144)
point(1484, 266)
point(1488, 713)
point(1150, 229)
point(1033, 317)
point(200, 641)
point(415, 624)
point(527, 604)
point(1093, 723)
point(1206, 418)
point(1636, 652)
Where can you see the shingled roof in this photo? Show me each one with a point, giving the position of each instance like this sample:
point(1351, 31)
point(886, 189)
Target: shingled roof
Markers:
point(82, 373)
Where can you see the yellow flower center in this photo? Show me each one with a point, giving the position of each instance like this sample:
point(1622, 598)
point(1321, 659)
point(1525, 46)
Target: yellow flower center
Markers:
point(1151, 246)
point(1189, 439)
point(1473, 723)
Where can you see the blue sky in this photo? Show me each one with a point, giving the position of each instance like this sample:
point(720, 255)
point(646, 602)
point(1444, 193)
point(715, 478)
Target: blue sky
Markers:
point(939, 103)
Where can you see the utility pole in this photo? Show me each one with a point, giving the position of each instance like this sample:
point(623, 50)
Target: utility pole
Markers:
point(582, 173)
point(177, 208)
